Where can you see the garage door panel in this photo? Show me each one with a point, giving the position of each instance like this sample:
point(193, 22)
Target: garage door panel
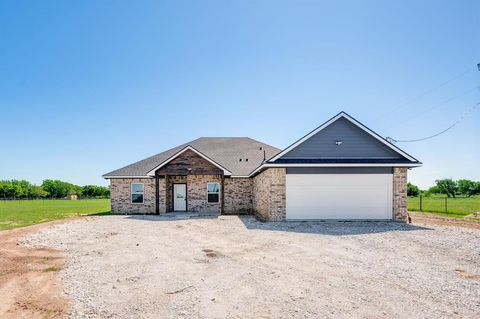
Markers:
point(339, 196)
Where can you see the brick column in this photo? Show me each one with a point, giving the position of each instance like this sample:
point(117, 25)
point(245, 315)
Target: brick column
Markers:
point(222, 194)
point(157, 194)
point(400, 194)
point(269, 198)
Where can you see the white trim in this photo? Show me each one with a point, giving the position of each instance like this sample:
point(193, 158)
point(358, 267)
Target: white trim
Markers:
point(113, 176)
point(218, 201)
point(188, 147)
point(351, 119)
point(131, 193)
point(337, 165)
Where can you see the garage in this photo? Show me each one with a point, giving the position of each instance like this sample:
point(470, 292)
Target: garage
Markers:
point(343, 193)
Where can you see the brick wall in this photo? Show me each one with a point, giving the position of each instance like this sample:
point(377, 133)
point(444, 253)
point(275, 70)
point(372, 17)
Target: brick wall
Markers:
point(121, 202)
point(269, 194)
point(400, 193)
point(238, 195)
point(162, 198)
point(197, 194)
point(263, 195)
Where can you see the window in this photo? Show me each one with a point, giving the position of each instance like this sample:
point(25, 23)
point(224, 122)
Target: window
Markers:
point(213, 192)
point(137, 193)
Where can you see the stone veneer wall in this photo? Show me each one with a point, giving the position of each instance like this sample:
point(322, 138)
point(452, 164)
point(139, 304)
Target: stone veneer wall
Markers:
point(269, 194)
point(400, 193)
point(120, 193)
point(238, 195)
point(197, 194)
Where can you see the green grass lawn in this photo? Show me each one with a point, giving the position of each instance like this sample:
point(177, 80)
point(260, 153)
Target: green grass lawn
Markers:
point(20, 213)
point(456, 207)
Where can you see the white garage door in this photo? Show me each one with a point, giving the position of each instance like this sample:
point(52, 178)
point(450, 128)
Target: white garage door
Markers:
point(339, 196)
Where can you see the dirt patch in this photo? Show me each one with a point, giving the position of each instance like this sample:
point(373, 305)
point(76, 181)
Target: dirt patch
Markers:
point(29, 287)
point(211, 253)
point(426, 218)
point(467, 275)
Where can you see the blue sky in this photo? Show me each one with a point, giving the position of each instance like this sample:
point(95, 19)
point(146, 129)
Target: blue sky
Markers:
point(89, 86)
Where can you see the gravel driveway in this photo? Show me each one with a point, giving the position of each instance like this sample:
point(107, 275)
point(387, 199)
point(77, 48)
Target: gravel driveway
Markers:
point(231, 267)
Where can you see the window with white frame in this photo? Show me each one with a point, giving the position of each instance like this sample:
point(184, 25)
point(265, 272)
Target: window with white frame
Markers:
point(137, 193)
point(213, 192)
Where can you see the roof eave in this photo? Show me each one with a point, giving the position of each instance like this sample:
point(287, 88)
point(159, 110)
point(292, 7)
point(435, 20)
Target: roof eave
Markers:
point(278, 165)
point(125, 176)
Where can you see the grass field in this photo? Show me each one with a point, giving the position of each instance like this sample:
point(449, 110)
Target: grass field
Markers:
point(456, 207)
point(20, 213)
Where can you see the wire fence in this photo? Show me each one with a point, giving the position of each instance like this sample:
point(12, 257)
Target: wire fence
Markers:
point(50, 198)
point(444, 204)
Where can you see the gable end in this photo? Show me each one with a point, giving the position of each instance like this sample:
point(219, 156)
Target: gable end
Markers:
point(188, 163)
point(342, 139)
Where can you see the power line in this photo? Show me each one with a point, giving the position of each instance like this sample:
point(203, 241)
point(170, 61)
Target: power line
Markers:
point(437, 134)
point(428, 91)
point(436, 106)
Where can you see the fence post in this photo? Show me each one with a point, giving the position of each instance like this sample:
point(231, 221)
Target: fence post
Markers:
point(446, 208)
point(421, 203)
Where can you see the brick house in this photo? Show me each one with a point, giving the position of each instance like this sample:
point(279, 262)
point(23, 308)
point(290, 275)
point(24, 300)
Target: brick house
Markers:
point(342, 170)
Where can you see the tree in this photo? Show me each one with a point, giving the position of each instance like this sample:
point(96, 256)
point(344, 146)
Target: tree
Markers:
point(412, 190)
point(432, 190)
point(3, 189)
point(467, 187)
point(37, 192)
point(106, 191)
point(88, 191)
point(55, 188)
point(10, 189)
point(447, 186)
point(95, 191)
point(49, 188)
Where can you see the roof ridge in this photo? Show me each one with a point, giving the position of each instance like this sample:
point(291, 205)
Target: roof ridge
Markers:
point(219, 149)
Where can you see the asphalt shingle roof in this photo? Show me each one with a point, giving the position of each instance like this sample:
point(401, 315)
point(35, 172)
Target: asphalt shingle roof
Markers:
point(226, 151)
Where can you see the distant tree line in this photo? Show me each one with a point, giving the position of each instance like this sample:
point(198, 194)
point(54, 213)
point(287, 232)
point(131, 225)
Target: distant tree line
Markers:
point(50, 188)
point(447, 186)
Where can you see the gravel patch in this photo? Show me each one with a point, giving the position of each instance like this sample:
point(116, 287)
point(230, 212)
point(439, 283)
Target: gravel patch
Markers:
point(231, 267)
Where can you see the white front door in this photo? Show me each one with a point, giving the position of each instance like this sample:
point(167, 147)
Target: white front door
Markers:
point(179, 197)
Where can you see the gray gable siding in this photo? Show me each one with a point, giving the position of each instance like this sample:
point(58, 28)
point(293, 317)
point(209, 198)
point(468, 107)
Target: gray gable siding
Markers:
point(356, 144)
